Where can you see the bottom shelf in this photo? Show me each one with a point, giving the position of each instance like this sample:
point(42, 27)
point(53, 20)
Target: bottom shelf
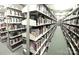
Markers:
point(16, 46)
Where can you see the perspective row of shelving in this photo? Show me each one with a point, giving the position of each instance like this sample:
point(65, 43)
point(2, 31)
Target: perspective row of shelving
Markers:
point(70, 27)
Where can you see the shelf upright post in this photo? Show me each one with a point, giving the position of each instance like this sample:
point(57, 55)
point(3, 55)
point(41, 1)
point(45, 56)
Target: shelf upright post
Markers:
point(27, 31)
point(8, 42)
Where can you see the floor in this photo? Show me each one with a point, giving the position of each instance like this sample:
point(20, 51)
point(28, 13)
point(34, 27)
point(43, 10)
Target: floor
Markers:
point(5, 51)
point(58, 44)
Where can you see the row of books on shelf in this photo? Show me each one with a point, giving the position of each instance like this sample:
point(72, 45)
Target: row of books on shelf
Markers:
point(35, 46)
point(71, 28)
point(14, 26)
point(38, 7)
point(75, 29)
point(43, 9)
point(2, 30)
point(1, 20)
point(13, 12)
point(3, 36)
point(13, 20)
point(3, 25)
point(1, 14)
point(71, 16)
point(1, 17)
point(37, 22)
point(14, 33)
point(74, 20)
point(43, 20)
point(10, 26)
point(37, 31)
point(15, 40)
point(11, 35)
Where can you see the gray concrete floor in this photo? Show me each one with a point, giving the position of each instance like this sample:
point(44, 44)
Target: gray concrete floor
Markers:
point(58, 45)
point(5, 51)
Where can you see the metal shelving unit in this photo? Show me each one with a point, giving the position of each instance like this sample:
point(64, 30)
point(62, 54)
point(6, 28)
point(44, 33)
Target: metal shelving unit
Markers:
point(41, 20)
point(13, 19)
point(70, 26)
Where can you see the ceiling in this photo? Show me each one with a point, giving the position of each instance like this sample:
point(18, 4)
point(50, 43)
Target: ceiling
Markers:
point(63, 7)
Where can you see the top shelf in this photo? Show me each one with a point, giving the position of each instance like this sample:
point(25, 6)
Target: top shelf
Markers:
point(14, 9)
point(37, 11)
point(49, 10)
point(40, 9)
point(72, 18)
point(15, 16)
point(76, 9)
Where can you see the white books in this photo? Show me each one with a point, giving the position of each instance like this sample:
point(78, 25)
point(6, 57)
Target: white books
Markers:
point(44, 29)
point(12, 11)
point(32, 22)
point(32, 37)
point(7, 12)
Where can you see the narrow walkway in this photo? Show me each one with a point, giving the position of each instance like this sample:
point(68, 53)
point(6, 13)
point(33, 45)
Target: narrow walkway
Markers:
point(58, 44)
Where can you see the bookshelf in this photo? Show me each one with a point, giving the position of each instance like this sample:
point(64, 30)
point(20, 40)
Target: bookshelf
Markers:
point(13, 18)
point(3, 31)
point(42, 25)
point(70, 26)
